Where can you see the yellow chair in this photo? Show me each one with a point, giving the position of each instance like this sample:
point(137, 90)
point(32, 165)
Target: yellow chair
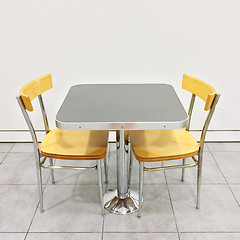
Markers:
point(165, 145)
point(61, 144)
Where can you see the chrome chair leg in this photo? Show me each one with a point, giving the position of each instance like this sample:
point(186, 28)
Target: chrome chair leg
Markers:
point(183, 170)
point(126, 147)
point(99, 169)
point(130, 167)
point(52, 172)
point(39, 179)
point(105, 162)
point(199, 178)
point(140, 188)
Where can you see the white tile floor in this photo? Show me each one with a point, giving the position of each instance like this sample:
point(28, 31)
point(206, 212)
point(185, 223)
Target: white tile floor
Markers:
point(72, 209)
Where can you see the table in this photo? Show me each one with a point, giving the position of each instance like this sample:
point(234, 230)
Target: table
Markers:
point(121, 107)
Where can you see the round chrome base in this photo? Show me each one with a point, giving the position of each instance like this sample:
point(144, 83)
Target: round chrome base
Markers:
point(116, 205)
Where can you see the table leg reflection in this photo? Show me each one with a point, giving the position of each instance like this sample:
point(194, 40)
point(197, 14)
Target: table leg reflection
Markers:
point(122, 200)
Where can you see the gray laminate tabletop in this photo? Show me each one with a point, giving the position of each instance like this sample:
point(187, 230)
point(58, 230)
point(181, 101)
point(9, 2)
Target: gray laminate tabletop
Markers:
point(121, 106)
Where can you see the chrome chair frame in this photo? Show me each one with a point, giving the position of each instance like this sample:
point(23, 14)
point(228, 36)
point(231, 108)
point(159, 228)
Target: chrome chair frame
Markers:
point(40, 160)
point(196, 162)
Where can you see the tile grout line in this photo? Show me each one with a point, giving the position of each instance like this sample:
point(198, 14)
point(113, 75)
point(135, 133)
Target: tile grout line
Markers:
point(31, 221)
point(127, 232)
point(4, 158)
point(171, 205)
point(225, 180)
point(103, 225)
point(54, 232)
point(223, 151)
point(7, 153)
point(211, 232)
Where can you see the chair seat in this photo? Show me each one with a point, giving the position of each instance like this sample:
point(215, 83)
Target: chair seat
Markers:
point(75, 145)
point(162, 145)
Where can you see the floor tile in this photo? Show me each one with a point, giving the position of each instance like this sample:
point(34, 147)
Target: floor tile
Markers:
point(18, 204)
point(210, 171)
point(229, 163)
point(236, 191)
point(64, 236)
point(157, 215)
point(5, 147)
point(23, 147)
point(223, 147)
point(12, 236)
point(219, 210)
point(68, 176)
point(72, 205)
point(69, 209)
point(210, 236)
point(140, 236)
point(2, 156)
point(19, 168)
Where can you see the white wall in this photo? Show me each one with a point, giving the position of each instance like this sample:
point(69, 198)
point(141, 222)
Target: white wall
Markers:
point(123, 41)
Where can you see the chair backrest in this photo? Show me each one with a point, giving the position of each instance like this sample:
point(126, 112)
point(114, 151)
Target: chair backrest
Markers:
point(207, 93)
point(200, 88)
point(29, 92)
point(35, 88)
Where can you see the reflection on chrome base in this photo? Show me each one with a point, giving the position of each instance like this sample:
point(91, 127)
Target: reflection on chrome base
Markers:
point(124, 206)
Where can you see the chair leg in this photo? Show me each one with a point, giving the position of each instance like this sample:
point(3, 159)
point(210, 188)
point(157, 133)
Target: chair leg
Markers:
point(199, 178)
point(39, 179)
point(118, 139)
point(105, 162)
point(126, 147)
point(99, 169)
point(130, 167)
point(183, 170)
point(140, 188)
point(52, 172)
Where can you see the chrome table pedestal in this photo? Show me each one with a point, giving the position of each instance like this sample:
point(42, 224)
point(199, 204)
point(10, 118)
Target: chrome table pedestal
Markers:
point(121, 206)
point(122, 200)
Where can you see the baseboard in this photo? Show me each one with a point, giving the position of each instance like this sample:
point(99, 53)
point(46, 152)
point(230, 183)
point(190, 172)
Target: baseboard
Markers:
point(212, 135)
point(25, 136)
point(218, 135)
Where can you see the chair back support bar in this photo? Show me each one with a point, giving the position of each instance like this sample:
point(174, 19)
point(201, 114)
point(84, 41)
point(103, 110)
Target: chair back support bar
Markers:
point(190, 111)
point(33, 89)
point(29, 123)
point(200, 88)
point(44, 115)
point(207, 122)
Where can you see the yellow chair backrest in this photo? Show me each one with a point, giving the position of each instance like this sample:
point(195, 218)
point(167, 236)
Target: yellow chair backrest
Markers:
point(200, 88)
point(34, 89)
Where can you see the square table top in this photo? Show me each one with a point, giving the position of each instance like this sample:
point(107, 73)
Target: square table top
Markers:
point(121, 106)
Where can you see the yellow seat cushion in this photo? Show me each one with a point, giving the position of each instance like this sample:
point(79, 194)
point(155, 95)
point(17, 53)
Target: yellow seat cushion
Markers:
point(162, 145)
point(75, 145)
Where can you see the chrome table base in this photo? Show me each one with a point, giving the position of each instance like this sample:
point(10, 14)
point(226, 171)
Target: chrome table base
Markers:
point(120, 206)
point(122, 200)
